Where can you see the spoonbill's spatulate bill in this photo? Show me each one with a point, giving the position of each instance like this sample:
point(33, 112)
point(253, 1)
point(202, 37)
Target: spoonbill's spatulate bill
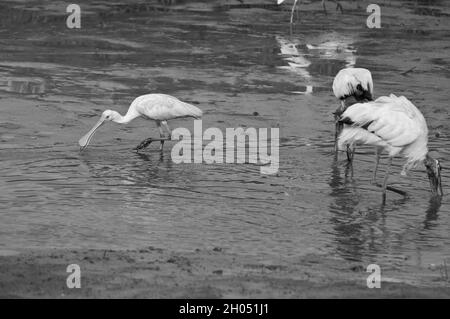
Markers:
point(350, 86)
point(395, 125)
point(157, 107)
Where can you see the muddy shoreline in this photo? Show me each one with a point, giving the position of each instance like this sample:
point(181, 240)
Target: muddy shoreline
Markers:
point(156, 273)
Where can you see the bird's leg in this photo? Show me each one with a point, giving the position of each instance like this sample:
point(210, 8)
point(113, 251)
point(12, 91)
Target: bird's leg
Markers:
point(161, 125)
point(385, 187)
point(386, 178)
point(166, 126)
point(377, 161)
point(338, 6)
point(292, 11)
point(161, 135)
point(350, 153)
point(338, 125)
point(338, 129)
point(297, 10)
point(349, 169)
point(336, 135)
point(161, 138)
point(324, 8)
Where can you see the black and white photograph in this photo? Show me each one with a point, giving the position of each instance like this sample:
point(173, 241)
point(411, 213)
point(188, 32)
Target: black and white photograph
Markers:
point(224, 150)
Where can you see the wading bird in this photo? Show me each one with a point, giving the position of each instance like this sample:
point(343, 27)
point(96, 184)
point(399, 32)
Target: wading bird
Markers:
point(295, 6)
point(350, 86)
point(392, 124)
point(157, 107)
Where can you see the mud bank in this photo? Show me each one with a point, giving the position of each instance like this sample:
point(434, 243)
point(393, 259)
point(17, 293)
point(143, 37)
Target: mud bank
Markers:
point(156, 273)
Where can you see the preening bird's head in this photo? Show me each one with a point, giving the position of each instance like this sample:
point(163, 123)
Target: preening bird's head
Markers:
point(433, 167)
point(353, 84)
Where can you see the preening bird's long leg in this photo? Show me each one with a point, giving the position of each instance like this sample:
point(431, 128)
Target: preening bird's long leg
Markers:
point(338, 130)
point(385, 187)
point(386, 178)
point(377, 161)
point(350, 153)
point(338, 6)
point(324, 8)
point(336, 135)
point(339, 126)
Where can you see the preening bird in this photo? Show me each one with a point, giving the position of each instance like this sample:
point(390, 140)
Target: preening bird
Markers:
point(295, 6)
point(350, 86)
point(157, 107)
point(392, 124)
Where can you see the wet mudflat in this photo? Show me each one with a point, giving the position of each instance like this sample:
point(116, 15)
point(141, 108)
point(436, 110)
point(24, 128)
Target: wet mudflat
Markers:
point(244, 67)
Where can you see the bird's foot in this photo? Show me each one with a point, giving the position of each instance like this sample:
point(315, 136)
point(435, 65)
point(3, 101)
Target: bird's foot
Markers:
point(149, 140)
point(144, 144)
point(392, 189)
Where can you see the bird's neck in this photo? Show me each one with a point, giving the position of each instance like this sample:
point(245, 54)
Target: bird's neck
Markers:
point(131, 115)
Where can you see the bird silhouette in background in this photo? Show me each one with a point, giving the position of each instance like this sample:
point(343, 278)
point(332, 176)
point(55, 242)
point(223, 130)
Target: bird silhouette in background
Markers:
point(394, 125)
point(297, 2)
point(157, 107)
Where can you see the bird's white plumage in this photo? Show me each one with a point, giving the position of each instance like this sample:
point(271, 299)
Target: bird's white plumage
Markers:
point(390, 122)
point(347, 80)
point(164, 107)
point(157, 107)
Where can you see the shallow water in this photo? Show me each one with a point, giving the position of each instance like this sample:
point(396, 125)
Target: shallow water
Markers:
point(55, 82)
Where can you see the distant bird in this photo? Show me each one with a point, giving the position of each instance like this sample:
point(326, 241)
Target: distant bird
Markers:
point(350, 86)
point(392, 124)
point(334, 46)
point(157, 107)
point(296, 60)
point(338, 6)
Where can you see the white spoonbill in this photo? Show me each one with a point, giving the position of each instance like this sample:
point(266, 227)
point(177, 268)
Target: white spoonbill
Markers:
point(395, 125)
point(350, 86)
point(157, 107)
point(338, 6)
